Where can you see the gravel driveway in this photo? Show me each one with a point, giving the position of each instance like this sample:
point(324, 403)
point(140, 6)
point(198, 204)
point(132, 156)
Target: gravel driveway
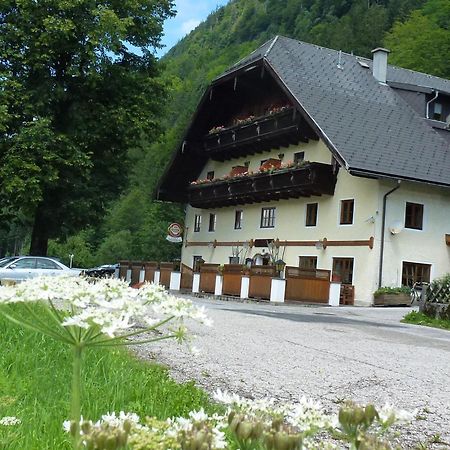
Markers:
point(328, 354)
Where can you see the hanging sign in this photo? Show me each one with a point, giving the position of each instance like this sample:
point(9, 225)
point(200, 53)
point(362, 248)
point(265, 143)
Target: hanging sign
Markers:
point(175, 232)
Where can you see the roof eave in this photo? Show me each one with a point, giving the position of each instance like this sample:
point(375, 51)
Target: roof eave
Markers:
point(389, 176)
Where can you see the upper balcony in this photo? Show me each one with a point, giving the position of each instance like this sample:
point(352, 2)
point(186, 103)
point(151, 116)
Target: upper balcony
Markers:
point(256, 135)
point(294, 182)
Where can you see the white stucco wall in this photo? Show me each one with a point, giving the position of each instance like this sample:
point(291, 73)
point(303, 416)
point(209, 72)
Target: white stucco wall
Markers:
point(425, 246)
point(314, 151)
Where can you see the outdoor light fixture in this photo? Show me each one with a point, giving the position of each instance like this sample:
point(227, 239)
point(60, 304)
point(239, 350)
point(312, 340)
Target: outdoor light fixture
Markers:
point(321, 244)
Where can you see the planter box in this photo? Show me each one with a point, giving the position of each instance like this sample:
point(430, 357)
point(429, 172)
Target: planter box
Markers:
point(238, 170)
point(392, 300)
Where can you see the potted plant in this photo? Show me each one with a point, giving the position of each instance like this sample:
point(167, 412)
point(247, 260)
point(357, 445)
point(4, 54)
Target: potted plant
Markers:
point(392, 296)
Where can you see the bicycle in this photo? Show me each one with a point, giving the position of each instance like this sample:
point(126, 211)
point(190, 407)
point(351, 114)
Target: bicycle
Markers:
point(416, 294)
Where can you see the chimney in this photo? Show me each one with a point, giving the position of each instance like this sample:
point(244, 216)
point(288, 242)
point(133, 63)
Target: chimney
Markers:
point(379, 66)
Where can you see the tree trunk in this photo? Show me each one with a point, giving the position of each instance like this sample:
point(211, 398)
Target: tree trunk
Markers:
point(39, 236)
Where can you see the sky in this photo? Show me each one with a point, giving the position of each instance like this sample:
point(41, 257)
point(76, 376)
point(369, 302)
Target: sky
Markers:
point(189, 14)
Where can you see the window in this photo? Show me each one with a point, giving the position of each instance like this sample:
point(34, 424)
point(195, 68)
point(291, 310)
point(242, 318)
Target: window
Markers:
point(437, 113)
point(238, 219)
point(25, 263)
point(415, 273)
point(311, 214)
point(299, 157)
point(210, 175)
point(212, 222)
point(197, 223)
point(46, 264)
point(347, 212)
point(267, 217)
point(307, 262)
point(343, 270)
point(414, 216)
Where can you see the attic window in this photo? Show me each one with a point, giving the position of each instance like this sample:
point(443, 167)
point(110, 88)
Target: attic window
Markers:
point(363, 64)
point(437, 114)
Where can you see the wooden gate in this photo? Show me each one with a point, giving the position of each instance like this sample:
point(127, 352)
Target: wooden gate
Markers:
point(150, 268)
point(165, 270)
point(187, 275)
point(208, 274)
point(232, 276)
point(123, 267)
point(261, 281)
point(136, 267)
point(307, 285)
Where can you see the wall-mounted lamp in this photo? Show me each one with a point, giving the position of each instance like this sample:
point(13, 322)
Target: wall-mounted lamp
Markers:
point(321, 244)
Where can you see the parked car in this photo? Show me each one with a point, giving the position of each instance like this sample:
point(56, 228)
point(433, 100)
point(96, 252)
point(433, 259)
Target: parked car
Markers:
point(106, 270)
point(19, 268)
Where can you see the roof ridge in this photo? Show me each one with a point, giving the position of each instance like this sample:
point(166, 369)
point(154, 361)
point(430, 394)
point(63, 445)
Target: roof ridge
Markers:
point(361, 57)
point(272, 40)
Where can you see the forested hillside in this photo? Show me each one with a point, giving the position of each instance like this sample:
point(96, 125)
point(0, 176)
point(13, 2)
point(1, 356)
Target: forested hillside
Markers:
point(416, 31)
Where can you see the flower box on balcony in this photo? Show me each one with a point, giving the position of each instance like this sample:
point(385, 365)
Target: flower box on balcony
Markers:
point(271, 163)
point(238, 170)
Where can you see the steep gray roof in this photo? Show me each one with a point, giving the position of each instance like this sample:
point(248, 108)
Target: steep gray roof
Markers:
point(371, 128)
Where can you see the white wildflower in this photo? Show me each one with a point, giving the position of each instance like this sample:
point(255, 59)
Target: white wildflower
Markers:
point(226, 398)
point(389, 414)
point(198, 416)
point(109, 305)
point(8, 421)
point(115, 421)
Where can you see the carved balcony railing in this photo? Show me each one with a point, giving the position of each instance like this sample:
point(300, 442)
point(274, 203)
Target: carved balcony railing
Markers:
point(309, 179)
point(264, 133)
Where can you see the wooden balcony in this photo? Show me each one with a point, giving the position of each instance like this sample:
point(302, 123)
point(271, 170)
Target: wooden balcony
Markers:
point(264, 133)
point(310, 179)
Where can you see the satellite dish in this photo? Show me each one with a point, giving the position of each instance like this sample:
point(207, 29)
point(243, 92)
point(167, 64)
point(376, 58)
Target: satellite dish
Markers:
point(396, 227)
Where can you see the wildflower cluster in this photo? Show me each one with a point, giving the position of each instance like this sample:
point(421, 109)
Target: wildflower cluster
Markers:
point(248, 424)
point(9, 421)
point(105, 307)
point(104, 313)
point(277, 426)
point(109, 433)
point(292, 426)
point(196, 432)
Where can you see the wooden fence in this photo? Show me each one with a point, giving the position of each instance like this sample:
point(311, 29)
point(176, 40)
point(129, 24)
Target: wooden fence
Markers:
point(232, 276)
point(165, 270)
point(261, 281)
point(208, 274)
point(307, 285)
point(187, 276)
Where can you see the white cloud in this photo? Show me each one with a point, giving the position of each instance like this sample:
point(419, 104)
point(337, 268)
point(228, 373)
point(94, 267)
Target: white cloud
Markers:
point(189, 25)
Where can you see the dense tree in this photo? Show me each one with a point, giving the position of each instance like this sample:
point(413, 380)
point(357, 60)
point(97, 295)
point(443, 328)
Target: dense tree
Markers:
point(422, 42)
point(73, 100)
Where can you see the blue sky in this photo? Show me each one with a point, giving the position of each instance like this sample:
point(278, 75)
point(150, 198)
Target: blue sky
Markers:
point(189, 14)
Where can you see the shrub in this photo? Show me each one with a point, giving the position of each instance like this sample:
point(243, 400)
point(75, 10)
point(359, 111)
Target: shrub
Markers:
point(392, 290)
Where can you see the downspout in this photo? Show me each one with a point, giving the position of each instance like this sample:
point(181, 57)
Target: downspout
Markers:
point(383, 228)
point(428, 104)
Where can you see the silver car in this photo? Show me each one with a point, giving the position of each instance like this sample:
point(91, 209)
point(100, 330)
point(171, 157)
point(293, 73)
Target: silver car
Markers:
point(19, 268)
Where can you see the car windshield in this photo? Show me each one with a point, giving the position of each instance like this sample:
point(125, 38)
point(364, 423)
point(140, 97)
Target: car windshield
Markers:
point(5, 261)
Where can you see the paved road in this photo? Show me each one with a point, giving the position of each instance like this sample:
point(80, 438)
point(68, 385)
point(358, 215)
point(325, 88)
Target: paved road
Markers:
point(331, 354)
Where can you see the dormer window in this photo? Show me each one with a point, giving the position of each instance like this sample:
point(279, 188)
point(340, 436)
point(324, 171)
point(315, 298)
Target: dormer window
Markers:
point(437, 113)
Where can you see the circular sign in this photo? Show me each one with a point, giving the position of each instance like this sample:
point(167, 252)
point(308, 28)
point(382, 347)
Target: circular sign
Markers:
point(175, 230)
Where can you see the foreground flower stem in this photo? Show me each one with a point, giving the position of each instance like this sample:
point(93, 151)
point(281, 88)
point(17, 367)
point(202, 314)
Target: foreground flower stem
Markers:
point(76, 393)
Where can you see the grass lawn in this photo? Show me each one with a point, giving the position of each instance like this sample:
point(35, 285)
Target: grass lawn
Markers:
point(418, 318)
point(35, 381)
